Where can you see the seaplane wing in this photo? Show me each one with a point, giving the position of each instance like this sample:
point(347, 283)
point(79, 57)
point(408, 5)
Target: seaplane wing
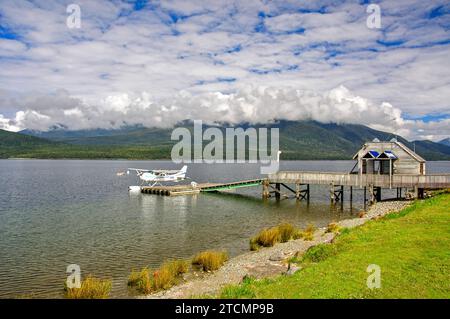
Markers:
point(156, 171)
point(138, 170)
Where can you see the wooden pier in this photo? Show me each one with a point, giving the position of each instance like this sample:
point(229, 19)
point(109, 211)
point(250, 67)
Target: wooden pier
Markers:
point(370, 183)
point(285, 183)
point(388, 165)
point(190, 189)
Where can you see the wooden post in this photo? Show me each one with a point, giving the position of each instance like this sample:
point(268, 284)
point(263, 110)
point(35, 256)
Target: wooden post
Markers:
point(266, 193)
point(371, 194)
point(378, 196)
point(332, 193)
point(365, 196)
point(390, 173)
point(297, 191)
point(420, 193)
point(307, 194)
point(277, 193)
point(351, 194)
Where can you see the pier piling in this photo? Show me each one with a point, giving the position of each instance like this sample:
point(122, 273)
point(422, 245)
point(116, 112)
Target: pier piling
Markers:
point(301, 194)
point(278, 191)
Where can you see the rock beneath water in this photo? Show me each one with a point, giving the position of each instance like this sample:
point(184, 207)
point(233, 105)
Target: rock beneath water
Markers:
point(278, 256)
point(292, 269)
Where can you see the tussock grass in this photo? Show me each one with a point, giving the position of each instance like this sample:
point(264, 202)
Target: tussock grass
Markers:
point(286, 232)
point(167, 275)
point(280, 234)
point(268, 237)
point(177, 267)
point(308, 233)
point(253, 244)
point(210, 260)
point(310, 228)
point(91, 288)
point(308, 236)
point(333, 228)
point(298, 234)
point(163, 278)
point(142, 280)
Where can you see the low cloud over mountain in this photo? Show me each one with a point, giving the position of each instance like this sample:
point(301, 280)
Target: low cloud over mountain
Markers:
point(251, 104)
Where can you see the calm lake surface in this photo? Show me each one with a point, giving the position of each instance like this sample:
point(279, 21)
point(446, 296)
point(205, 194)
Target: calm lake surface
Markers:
point(59, 212)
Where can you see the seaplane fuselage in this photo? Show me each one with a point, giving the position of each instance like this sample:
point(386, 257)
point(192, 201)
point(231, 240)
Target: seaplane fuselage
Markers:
point(159, 176)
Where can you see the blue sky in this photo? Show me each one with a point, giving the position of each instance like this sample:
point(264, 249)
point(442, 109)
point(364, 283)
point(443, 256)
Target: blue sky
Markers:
point(157, 62)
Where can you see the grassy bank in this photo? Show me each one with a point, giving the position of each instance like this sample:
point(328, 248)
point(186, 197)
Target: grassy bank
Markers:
point(411, 247)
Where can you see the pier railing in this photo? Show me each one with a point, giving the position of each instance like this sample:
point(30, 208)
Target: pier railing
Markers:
point(361, 180)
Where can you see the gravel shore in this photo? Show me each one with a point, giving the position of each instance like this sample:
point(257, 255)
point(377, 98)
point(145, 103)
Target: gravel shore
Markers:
point(267, 262)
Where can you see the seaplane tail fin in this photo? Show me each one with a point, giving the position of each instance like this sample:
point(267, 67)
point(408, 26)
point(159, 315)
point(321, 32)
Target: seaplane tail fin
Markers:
point(183, 170)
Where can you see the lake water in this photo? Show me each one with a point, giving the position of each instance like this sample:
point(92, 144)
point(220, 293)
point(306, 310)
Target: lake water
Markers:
point(59, 212)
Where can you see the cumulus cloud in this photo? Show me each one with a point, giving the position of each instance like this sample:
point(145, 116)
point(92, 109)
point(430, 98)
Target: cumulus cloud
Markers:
point(250, 104)
point(6, 124)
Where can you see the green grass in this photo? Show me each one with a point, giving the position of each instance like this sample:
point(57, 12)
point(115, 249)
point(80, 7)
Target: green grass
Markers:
point(412, 248)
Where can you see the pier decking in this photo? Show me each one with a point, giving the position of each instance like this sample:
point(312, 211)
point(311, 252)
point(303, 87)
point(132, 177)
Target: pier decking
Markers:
point(201, 187)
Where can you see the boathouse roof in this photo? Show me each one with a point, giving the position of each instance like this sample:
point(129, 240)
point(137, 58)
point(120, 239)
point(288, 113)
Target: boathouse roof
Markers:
point(389, 154)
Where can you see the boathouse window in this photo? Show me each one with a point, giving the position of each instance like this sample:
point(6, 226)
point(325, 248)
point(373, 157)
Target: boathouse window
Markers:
point(370, 166)
point(374, 162)
point(385, 166)
point(376, 166)
point(386, 159)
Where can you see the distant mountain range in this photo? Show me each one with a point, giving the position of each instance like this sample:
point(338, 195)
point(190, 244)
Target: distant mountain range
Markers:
point(298, 140)
point(11, 142)
point(445, 141)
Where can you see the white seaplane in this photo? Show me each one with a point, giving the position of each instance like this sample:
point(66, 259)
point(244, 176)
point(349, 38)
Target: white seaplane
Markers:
point(157, 176)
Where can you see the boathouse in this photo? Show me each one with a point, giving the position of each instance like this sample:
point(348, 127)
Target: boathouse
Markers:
point(387, 164)
point(388, 158)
